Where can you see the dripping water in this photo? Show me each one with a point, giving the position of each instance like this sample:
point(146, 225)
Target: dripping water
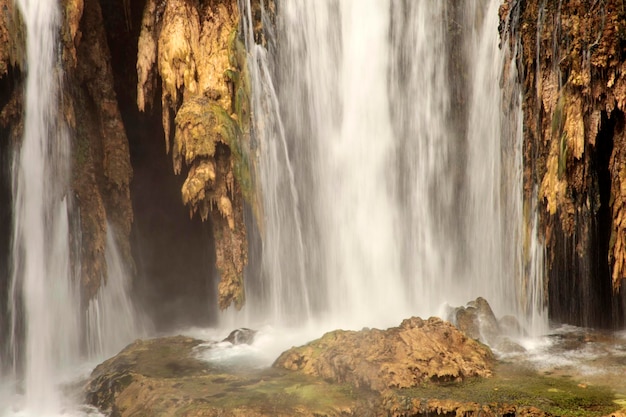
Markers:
point(112, 319)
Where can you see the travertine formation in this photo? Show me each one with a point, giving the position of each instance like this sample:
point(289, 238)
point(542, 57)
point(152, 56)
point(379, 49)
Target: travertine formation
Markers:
point(101, 170)
point(195, 51)
point(334, 376)
point(417, 351)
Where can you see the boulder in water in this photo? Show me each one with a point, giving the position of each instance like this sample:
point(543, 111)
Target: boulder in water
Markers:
point(242, 336)
point(165, 377)
point(400, 357)
point(510, 326)
point(478, 321)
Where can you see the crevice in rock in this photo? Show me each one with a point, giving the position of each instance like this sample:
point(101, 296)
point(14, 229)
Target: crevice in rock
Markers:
point(602, 160)
point(580, 284)
point(174, 254)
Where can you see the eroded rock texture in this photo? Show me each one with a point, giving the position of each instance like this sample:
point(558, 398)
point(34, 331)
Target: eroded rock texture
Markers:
point(194, 49)
point(167, 376)
point(571, 57)
point(400, 357)
point(101, 172)
point(190, 54)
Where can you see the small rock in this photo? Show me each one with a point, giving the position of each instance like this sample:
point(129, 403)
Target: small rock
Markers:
point(241, 336)
point(510, 326)
point(477, 321)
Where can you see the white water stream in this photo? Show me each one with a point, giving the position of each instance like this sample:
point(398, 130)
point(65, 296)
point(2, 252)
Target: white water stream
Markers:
point(387, 198)
point(47, 327)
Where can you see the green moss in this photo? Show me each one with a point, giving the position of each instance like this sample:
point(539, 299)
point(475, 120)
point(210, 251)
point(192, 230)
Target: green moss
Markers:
point(522, 387)
point(239, 76)
point(179, 384)
point(562, 155)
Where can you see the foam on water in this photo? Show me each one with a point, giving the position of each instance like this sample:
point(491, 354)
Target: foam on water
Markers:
point(269, 342)
point(586, 355)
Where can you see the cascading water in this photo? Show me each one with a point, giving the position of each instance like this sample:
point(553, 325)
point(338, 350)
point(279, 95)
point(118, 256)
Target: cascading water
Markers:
point(41, 257)
point(385, 199)
point(112, 319)
point(499, 268)
point(46, 330)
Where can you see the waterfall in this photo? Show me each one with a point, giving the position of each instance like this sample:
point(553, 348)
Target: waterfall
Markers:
point(43, 290)
point(389, 161)
point(112, 319)
point(47, 324)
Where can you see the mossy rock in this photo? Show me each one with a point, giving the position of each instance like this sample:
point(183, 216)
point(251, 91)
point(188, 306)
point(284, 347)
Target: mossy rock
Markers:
point(165, 377)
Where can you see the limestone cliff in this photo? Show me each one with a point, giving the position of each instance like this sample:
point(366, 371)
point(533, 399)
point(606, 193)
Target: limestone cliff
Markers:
point(572, 60)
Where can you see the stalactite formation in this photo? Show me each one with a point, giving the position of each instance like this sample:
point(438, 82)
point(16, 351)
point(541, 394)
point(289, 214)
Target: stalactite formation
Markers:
point(570, 60)
point(571, 55)
point(194, 49)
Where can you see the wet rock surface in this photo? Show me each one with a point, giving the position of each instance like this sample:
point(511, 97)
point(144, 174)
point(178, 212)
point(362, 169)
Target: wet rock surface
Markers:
point(478, 322)
point(165, 377)
point(570, 61)
point(241, 336)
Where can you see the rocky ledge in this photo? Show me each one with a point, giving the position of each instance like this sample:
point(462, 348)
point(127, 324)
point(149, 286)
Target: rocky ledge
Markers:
point(420, 368)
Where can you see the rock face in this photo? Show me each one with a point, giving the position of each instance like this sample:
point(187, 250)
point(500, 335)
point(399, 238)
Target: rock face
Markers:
point(571, 57)
point(401, 357)
point(101, 170)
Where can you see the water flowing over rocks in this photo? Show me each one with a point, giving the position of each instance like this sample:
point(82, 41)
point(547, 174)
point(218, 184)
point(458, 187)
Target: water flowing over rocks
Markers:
point(191, 54)
point(422, 367)
point(241, 336)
